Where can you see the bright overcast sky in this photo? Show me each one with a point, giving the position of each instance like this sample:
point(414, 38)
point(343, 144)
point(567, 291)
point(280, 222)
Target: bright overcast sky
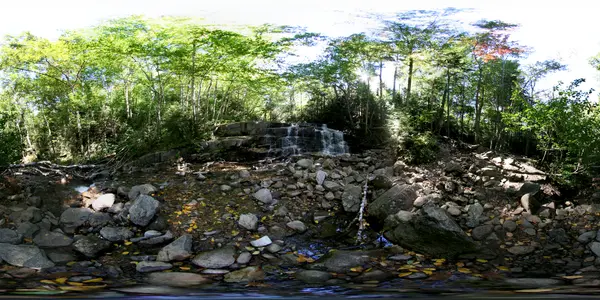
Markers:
point(565, 30)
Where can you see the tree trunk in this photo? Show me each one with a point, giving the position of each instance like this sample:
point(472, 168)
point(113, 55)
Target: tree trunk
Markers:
point(394, 85)
point(409, 84)
point(478, 105)
point(380, 80)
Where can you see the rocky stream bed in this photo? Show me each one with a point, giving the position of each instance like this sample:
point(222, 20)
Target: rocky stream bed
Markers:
point(473, 221)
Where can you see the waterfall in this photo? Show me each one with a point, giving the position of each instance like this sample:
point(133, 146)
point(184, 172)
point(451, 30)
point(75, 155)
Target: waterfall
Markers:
point(332, 142)
point(289, 144)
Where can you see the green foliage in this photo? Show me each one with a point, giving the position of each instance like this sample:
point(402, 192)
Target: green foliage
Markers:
point(10, 142)
point(419, 148)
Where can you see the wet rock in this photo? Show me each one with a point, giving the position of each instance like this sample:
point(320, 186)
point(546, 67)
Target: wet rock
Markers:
point(50, 239)
point(159, 224)
point(474, 213)
point(533, 282)
point(264, 196)
point(454, 211)
point(244, 258)
point(261, 242)
point(274, 248)
point(225, 188)
point(431, 198)
point(509, 225)
point(99, 219)
point(248, 221)
point(247, 274)
point(559, 235)
point(143, 210)
point(305, 163)
point(60, 256)
point(381, 182)
point(28, 229)
point(152, 266)
point(521, 250)
point(481, 232)
point(31, 214)
point(215, 259)
point(432, 232)
point(9, 236)
point(116, 208)
point(320, 177)
point(351, 198)
point(103, 202)
point(313, 276)
point(116, 234)
point(152, 239)
point(373, 276)
point(297, 226)
point(399, 197)
point(143, 189)
point(341, 261)
point(90, 246)
point(72, 218)
point(176, 279)
point(28, 256)
point(178, 250)
point(595, 248)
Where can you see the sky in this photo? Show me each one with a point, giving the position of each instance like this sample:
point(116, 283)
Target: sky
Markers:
point(563, 30)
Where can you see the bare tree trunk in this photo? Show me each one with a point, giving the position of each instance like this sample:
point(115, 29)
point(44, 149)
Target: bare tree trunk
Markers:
point(380, 80)
point(478, 105)
point(394, 84)
point(127, 105)
point(410, 73)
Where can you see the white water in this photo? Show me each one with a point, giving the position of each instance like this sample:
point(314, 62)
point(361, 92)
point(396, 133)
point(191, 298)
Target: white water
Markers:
point(289, 143)
point(333, 142)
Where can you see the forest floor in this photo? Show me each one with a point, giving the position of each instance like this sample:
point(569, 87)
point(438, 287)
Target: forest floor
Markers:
point(310, 247)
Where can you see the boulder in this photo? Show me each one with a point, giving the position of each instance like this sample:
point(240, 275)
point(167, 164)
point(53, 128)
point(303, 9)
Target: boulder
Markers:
point(178, 250)
point(297, 226)
point(9, 236)
point(341, 261)
point(305, 163)
point(263, 196)
point(320, 177)
point(152, 266)
point(399, 197)
point(116, 234)
point(432, 231)
point(313, 276)
point(90, 246)
point(247, 274)
point(215, 259)
point(143, 210)
point(72, 218)
point(143, 189)
point(27, 256)
point(103, 202)
point(351, 198)
point(50, 239)
point(176, 279)
point(248, 221)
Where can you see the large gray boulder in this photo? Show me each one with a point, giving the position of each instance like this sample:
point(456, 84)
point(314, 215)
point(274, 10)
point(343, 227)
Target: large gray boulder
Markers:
point(431, 231)
point(10, 236)
point(143, 210)
point(399, 197)
point(27, 256)
point(116, 234)
point(215, 259)
point(178, 250)
point(51, 239)
point(72, 218)
point(143, 189)
point(90, 246)
point(351, 198)
point(263, 196)
point(103, 202)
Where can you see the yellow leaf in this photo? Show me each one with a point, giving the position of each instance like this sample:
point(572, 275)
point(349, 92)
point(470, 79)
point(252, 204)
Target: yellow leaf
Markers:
point(460, 264)
point(464, 270)
point(404, 274)
point(71, 263)
point(75, 283)
point(185, 268)
point(46, 281)
point(99, 279)
point(405, 267)
point(357, 269)
point(60, 280)
point(125, 252)
point(503, 268)
point(427, 272)
point(127, 243)
point(136, 253)
point(413, 270)
point(535, 291)
point(482, 260)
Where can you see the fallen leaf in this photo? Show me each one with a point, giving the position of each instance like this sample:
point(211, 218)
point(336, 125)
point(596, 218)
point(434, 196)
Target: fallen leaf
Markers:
point(82, 288)
point(404, 274)
point(74, 283)
point(464, 270)
point(357, 269)
point(46, 281)
point(61, 280)
point(572, 277)
point(503, 268)
point(99, 279)
point(185, 268)
point(127, 243)
point(482, 260)
point(125, 252)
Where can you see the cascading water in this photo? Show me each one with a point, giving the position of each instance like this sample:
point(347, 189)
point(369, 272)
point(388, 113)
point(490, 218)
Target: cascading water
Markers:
point(289, 143)
point(333, 142)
